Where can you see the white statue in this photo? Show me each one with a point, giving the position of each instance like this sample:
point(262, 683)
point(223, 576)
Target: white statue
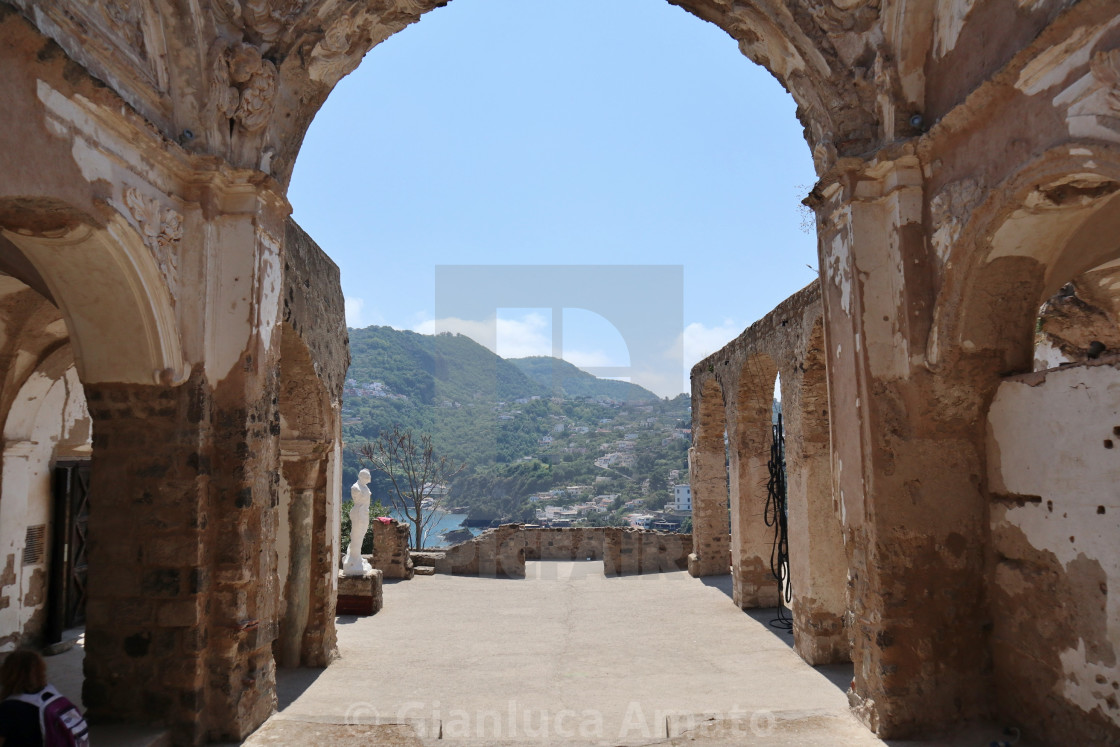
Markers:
point(355, 564)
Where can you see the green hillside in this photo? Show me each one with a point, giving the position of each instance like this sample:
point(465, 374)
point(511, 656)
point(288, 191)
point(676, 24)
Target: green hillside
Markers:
point(505, 420)
point(432, 368)
point(553, 374)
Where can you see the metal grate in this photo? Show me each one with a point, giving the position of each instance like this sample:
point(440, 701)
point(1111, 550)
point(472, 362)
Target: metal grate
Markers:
point(34, 544)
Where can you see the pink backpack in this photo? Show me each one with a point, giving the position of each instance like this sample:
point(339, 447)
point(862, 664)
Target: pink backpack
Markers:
point(60, 720)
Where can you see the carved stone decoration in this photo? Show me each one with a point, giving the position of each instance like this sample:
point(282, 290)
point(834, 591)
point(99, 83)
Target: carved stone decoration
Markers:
point(261, 20)
point(330, 59)
point(1106, 69)
point(244, 86)
point(269, 18)
point(161, 228)
point(414, 7)
point(845, 16)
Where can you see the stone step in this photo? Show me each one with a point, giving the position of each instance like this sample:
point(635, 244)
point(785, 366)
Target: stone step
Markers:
point(425, 570)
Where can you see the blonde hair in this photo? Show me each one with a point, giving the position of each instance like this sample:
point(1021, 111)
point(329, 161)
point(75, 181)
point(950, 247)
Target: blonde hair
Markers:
point(23, 671)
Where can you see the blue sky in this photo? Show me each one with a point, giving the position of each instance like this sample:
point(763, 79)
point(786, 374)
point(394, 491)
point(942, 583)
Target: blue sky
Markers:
point(560, 132)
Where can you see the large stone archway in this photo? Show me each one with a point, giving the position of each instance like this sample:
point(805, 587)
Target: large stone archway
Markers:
point(159, 137)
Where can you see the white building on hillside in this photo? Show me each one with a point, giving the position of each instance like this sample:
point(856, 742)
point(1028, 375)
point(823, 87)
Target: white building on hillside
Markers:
point(682, 497)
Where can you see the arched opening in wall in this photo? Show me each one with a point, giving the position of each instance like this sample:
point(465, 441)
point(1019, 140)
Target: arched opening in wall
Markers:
point(44, 471)
point(1052, 435)
point(87, 309)
point(562, 159)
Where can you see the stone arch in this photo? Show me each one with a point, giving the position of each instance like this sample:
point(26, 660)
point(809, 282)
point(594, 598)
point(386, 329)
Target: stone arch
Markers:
point(1053, 220)
point(128, 335)
point(806, 49)
point(707, 463)
point(1048, 473)
point(749, 420)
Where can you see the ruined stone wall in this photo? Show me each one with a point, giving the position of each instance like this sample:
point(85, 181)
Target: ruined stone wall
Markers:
point(496, 552)
point(390, 549)
point(1054, 468)
point(563, 543)
point(733, 389)
point(628, 551)
point(314, 358)
point(623, 550)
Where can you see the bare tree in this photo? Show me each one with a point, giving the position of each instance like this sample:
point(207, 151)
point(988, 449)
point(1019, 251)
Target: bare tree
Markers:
point(416, 473)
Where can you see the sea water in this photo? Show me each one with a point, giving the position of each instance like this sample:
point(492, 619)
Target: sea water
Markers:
point(442, 522)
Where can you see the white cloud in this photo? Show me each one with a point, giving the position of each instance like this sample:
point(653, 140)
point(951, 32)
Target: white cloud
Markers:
point(699, 341)
point(358, 317)
point(590, 359)
point(354, 308)
point(509, 338)
point(517, 337)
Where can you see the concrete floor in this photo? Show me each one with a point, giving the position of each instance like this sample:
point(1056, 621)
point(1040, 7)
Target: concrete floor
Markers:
point(563, 658)
point(567, 657)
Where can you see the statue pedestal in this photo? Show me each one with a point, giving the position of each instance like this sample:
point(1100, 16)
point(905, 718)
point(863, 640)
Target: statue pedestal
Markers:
point(360, 595)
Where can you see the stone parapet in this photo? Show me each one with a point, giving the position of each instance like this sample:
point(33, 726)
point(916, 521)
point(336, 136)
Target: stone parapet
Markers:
point(497, 552)
point(624, 551)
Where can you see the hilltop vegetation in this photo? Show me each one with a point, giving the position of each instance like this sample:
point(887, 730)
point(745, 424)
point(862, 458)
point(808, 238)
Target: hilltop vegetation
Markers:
point(523, 427)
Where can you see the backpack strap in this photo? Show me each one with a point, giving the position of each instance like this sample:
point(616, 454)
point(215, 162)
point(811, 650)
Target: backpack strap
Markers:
point(40, 700)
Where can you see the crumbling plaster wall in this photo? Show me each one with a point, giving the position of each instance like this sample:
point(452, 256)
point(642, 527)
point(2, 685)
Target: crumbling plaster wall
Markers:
point(788, 341)
point(1054, 472)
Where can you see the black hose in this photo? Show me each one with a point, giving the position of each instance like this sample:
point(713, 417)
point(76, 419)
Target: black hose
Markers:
point(776, 516)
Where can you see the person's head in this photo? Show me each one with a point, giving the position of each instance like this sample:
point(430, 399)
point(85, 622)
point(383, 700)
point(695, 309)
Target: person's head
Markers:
point(364, 476)
point(23, 671)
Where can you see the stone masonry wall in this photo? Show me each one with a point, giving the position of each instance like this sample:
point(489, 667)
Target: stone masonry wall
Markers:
point(149, 581)
point(733, 391)
point(390, 549)
point(503, 551)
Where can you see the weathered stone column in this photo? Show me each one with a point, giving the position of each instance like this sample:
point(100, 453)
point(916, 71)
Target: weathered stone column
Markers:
point(907, 476)
point(303, 474)
point(245, 479)
point(707, 461)
point(149, 579)
point(818, 564)
point(749, 423)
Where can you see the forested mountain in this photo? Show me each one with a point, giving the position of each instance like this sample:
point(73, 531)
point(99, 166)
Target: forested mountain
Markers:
point(559, 376)
point(516, 431)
